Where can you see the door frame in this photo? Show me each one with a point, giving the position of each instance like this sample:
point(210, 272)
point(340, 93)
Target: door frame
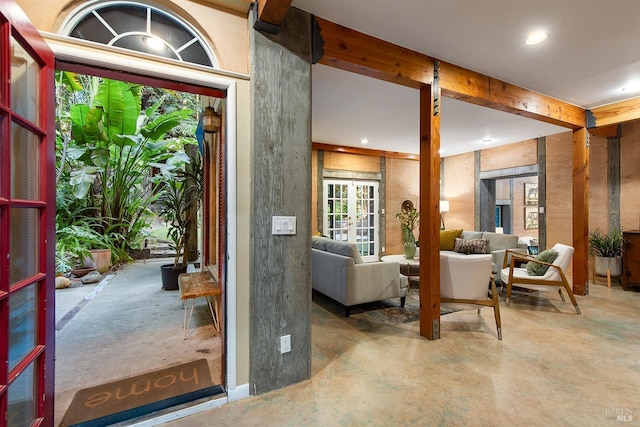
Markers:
point(75, 51)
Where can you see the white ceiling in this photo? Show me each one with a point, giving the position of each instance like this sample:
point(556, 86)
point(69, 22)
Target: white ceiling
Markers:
point(592, 52)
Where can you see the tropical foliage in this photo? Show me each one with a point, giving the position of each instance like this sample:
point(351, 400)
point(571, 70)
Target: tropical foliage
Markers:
point(110, 141)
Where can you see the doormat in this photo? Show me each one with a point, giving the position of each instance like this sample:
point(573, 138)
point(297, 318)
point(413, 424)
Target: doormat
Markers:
point(143, 394)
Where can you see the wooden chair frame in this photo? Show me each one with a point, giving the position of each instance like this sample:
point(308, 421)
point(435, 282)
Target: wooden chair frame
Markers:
point(537, 280)
point(493, 302)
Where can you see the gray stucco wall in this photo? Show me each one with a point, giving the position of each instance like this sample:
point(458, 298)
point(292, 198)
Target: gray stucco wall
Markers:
point(280, 288)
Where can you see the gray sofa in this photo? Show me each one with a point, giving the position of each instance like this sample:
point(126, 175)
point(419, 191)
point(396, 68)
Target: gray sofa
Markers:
point(497, 245)
point(338, 272)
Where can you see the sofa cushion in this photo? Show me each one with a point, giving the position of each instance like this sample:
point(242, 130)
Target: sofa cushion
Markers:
point(448, 239)
point(535, 269)
point(344, 249)
point(468, 235)
point(470, 246)
point(498, 241)
point(319, 242)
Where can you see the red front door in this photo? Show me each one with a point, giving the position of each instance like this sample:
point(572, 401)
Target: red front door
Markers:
point(27, 222)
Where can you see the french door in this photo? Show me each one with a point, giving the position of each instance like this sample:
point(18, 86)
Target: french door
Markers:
point(351, 214)
point(27, 222)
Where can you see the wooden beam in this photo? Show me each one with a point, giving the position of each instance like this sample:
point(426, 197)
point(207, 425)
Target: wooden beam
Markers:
point(273, 11)
point(364, 151)
point(353, 51)
point(617, 112)
point(609, 131)
point(429, 214)
point(580, 212)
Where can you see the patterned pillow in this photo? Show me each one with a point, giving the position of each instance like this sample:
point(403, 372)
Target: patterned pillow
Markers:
point(535, 269)
point(448, 239)
point(470, 246)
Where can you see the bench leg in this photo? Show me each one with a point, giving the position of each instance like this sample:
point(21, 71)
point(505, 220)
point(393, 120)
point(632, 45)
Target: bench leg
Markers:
point(187, 323)
point(214, 312)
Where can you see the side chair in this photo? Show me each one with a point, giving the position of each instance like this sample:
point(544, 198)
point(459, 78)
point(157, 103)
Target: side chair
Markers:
point(463, 284)
point(553, 279)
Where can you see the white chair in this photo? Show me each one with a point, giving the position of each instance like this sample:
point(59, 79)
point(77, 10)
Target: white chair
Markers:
point(464, 281)
point(553, 279)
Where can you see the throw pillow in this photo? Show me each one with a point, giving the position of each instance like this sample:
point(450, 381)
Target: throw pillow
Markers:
point(448, 239)
point(470, 246)
point(535, 269)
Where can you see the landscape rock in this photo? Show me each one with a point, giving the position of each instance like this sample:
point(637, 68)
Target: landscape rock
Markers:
point(93, 277)
point(62, 282)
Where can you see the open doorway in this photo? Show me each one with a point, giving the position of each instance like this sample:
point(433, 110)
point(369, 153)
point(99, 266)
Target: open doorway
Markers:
point(126, 326)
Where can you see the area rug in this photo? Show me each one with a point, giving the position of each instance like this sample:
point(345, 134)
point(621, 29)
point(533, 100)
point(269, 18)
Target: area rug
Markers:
point(390, 313)
point(387, 312)
point(136, 396)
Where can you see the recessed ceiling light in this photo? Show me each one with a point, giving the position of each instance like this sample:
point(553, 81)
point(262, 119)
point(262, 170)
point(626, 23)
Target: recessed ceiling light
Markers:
point(364, 141)
point(154, 43)
point(536, 37)
point(487, 141)
point(632, 86)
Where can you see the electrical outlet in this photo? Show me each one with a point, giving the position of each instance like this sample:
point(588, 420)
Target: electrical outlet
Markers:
point(285, 344)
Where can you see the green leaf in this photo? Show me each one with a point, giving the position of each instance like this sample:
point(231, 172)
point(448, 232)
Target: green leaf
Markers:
point(161, 125)
point(79, 114)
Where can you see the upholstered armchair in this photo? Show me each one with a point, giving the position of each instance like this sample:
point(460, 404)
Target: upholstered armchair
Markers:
point(553, 279)
point(463, 284)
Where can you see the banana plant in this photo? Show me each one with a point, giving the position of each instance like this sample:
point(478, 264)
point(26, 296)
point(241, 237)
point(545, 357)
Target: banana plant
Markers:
point(111, 148)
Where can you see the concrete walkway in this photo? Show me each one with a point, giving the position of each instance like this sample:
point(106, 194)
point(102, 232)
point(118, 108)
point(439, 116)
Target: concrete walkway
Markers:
point(123, 326)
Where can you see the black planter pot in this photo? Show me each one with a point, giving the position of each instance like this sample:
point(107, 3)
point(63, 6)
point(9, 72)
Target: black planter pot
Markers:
point(170, 276)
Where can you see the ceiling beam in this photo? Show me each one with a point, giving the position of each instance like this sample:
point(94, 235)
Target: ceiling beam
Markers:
point(364, 151)
point(351, 50)
point(272, 12)
point(615, 113)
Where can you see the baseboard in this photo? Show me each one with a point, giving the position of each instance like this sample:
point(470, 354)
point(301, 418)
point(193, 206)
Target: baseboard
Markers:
point(240, 392)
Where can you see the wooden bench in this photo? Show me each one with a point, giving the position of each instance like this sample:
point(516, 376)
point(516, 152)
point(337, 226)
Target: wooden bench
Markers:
point(196, 285)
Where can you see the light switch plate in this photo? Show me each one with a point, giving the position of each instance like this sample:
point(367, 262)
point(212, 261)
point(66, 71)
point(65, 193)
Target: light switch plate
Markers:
point(283, 225)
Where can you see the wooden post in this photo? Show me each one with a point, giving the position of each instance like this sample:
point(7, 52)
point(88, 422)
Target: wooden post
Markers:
point(580, 212)
point(429, 212)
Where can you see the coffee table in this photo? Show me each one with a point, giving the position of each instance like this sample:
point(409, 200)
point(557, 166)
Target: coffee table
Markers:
point(408, 267)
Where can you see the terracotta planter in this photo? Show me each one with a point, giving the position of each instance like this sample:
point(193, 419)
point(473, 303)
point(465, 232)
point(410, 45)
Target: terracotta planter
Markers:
point(81, 272)
point(100, 259)
point(614, 265)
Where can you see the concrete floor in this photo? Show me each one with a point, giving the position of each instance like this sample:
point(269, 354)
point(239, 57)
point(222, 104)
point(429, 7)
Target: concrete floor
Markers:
point(553, 368)
point(124, 326)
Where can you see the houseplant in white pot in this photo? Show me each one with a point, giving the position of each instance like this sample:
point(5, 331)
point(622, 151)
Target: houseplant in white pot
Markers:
point(607, 248)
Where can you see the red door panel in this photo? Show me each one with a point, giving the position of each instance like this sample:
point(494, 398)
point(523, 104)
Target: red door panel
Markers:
point(27, 222)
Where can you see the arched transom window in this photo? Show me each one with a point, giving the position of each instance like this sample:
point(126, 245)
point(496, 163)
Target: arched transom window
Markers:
point(141, 28)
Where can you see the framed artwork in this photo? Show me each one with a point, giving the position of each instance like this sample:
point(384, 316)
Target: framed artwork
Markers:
point(530, 193)
point(530, 217)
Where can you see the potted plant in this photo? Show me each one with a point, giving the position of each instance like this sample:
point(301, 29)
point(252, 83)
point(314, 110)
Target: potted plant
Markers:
point(178, 202)
point(74, 247)
point(607, 248)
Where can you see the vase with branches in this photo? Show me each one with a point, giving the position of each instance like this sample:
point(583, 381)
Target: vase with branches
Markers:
point(409, 219)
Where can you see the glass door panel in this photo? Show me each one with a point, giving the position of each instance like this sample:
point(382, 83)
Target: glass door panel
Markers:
point(337, 227)
point(351, 214)
point(24, 83)
point(24, 242)
point(25, 164)
point(21, 404)
point(22, 324)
